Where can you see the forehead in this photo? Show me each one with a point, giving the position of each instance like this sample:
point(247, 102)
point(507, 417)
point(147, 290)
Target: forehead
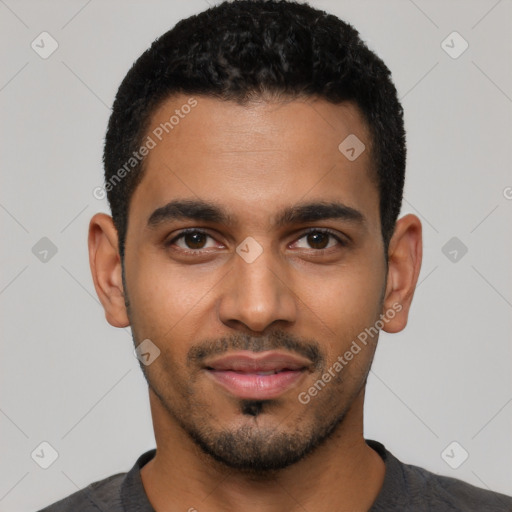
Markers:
point(256, 158)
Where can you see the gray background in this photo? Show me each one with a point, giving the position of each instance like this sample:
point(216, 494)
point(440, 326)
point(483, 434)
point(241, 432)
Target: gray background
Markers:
point(70, 379)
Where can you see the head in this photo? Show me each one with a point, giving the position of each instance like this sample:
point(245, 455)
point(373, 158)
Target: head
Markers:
point(274, 135)
point(256, 50)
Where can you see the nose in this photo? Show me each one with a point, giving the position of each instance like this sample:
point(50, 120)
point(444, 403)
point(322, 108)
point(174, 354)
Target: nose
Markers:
point(257, 294)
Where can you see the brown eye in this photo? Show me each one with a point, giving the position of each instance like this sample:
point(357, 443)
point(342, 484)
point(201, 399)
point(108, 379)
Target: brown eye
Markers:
point(195, 240)
point(192, 241)
point(318, 240)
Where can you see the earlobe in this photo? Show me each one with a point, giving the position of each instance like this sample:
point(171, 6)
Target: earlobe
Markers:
point(105, 264)
point(404, 264)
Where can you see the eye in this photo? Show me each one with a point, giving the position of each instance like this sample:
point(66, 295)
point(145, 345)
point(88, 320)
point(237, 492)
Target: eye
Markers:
point(320, 239)
point(192, 240)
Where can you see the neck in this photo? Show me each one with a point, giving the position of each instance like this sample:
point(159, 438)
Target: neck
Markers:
point(342, 474)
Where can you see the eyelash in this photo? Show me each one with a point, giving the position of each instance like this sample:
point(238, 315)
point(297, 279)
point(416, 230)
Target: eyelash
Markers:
point(305, 233)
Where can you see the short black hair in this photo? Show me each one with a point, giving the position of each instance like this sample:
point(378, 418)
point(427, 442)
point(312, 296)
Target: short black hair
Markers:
point(249, 49)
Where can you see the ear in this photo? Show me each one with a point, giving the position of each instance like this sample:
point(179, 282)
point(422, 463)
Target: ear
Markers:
point(404, 263)
point(105, 264)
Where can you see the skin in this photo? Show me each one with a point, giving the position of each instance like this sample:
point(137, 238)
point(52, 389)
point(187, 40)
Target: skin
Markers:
point(255, 160)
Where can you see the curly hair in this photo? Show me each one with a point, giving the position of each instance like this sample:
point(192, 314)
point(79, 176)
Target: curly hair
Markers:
point(257, 49)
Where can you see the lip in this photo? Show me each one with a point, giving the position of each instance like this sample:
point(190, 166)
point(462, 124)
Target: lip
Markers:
point(238, 373)
point(250, 362)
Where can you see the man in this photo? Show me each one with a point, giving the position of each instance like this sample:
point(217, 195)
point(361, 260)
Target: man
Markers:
point(254, 165)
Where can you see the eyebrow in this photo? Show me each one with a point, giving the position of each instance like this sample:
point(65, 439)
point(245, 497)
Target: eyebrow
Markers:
point(204, 211)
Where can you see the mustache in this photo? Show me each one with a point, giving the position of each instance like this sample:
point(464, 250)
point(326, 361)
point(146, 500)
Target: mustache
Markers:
point(275, 340)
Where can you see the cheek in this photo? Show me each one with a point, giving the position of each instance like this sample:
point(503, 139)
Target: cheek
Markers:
point(342, 303)
point(344, 296)
point(165, 298)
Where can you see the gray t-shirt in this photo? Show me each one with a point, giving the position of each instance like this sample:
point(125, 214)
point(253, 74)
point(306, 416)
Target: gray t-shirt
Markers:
point(405, 488)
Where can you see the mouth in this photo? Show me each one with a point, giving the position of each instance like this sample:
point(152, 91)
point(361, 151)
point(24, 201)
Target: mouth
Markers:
point(266, 376)
point(260, 385)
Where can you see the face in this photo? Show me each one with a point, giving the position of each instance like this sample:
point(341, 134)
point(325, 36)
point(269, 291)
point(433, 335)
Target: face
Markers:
point(250, 232)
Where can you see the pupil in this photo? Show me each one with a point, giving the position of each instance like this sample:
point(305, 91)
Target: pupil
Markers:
point(195, 240)
point(315, 239)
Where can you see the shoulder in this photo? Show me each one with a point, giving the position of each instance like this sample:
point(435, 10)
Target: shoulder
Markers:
point(407, 487)
point(447, 493)
point(97, 497)
point(444, 493)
